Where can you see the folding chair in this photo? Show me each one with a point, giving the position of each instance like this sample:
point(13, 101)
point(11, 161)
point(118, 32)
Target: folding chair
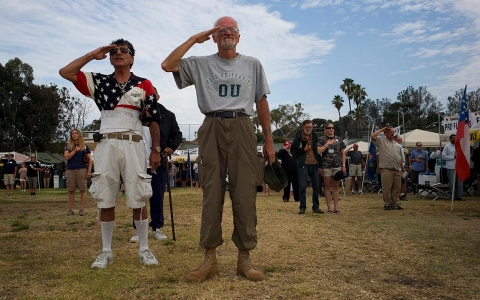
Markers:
point(441, 190)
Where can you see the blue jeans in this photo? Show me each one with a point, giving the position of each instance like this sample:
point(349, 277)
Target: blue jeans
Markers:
point(458, 184)
point(172, 181)
point(303, 174)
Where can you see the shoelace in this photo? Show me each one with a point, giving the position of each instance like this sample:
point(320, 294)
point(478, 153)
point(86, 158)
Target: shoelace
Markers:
point(148, 254)
point(102, 257)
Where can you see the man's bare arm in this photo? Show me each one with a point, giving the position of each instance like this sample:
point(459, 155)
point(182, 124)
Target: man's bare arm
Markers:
point(154, 155)
point(69, 72)
point(376, 133)
point(170, 64)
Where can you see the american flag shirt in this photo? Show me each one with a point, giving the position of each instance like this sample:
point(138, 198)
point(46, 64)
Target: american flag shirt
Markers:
point(137, 94)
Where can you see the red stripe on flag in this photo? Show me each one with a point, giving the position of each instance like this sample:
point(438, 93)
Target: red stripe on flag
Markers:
point(462, 142)
point(128, 106)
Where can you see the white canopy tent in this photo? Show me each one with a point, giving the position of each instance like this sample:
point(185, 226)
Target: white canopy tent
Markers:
point(362, 147)
point(428, 139)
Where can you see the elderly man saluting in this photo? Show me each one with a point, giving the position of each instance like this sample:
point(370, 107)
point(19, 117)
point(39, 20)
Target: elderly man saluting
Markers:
point(227, 85)
point(391, 167)
point(126, 102)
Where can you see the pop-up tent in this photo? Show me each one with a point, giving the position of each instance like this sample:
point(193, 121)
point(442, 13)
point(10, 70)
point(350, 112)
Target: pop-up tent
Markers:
point(17, 156)
point(362, 147)
point(428, 139)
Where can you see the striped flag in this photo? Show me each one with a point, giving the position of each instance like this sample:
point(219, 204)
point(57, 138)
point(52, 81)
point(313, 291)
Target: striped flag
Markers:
point(462, 142)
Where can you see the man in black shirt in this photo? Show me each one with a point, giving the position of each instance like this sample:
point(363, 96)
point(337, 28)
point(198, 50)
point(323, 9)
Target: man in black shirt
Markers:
point(355, 171)
point(289, 166)
point(33, 166)
point(10, 172)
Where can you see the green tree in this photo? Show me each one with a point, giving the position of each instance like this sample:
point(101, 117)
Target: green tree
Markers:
point(95, 125)
point(359, 94)
point(338, 103)
point(348, 88)
point(453, 102)
point(29, 113)
point(374, 110)
point(420, 106)
point(287, 119)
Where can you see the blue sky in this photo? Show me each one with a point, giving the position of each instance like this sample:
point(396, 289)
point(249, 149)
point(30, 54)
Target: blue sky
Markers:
point(307, 47)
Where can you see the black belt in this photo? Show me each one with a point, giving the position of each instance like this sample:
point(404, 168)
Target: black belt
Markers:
point(225, 114)
point(356, 164)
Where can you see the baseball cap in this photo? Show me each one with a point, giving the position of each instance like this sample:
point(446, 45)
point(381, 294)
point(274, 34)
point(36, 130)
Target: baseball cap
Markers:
point(275, 177)
point(355, 145)
point(10, 154)
point(286, 144)
point(338, 176)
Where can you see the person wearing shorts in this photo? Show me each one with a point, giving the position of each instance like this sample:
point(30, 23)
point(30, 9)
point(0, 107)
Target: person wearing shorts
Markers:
point(33, 166)
point(77, 173)
point(356, 163)
point(23, 177)
point(332, 150)
point(10, 172)
point(126, 103)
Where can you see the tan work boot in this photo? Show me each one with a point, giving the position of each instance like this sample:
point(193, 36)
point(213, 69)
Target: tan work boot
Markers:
point(245, 268)
point(207, 269)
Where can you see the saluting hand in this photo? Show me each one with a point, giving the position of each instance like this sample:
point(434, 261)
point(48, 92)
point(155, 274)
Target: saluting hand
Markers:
point(205, 35)
point(101, 52)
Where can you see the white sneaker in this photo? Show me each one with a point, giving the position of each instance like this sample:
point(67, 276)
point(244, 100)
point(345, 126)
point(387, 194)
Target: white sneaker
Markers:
point(147, 258)
point(158, 235)
point(351, 192)
point(104, 259)
point(360, 192)
point(134, 238)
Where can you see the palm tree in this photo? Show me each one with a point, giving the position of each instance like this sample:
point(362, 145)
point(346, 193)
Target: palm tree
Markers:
point(338, 103)
point(359, 113)
point(359, 94)
point(347, 88)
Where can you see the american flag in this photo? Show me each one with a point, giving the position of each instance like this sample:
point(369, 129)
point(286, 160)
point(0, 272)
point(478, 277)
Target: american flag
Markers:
point(462, 142)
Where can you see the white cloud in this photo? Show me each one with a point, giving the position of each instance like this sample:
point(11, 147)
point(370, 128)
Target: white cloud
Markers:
point(319, 3)
point(408, 27)
point(418, 67)
point(48, 35)
point(338, 33)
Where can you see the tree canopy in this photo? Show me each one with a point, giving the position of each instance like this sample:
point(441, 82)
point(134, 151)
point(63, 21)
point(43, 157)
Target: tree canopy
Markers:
point(30, 114)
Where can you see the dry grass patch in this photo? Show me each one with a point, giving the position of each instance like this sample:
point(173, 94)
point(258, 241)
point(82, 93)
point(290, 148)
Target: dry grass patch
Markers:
point(423, 252)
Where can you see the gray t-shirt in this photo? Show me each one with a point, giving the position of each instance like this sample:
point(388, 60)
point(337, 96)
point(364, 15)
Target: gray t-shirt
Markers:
point(223, 84)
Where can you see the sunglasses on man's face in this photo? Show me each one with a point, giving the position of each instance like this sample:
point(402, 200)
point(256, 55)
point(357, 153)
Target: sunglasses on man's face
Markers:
point(122, 49)
point(330, 127)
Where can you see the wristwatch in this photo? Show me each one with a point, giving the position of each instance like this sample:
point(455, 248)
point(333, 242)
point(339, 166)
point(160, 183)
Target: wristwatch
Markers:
point(158, 149)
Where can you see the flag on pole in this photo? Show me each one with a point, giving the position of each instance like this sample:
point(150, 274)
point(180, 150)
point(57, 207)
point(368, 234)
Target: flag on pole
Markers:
point(372, 150)
point(462, 142)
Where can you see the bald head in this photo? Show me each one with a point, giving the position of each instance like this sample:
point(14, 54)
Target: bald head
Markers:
point(225, 19)
point(399, 139)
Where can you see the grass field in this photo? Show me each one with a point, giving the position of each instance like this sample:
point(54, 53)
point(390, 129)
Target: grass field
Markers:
point(423, 252)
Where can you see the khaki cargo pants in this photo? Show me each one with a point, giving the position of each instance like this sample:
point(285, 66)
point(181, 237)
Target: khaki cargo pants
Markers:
point(229, 145)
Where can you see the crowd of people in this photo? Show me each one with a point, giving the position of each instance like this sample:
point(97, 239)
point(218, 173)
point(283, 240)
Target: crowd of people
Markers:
point(138, 134)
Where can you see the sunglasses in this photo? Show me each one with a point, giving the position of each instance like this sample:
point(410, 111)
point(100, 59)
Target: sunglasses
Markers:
point(232, 30)
point(122, 49)
point(329, 127)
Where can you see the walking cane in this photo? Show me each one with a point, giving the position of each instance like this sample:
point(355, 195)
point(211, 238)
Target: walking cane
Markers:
point(166, 165)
